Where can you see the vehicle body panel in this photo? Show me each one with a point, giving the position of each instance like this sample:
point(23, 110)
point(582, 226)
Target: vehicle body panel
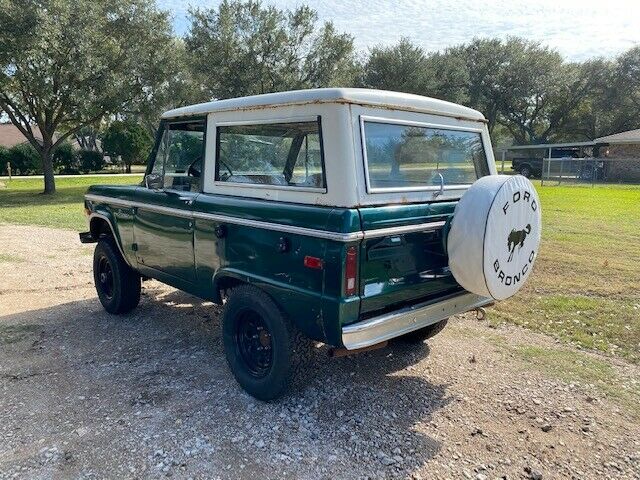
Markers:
point(230, 233)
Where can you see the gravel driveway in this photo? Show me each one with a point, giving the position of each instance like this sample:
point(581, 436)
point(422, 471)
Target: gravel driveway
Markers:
point(84, 394)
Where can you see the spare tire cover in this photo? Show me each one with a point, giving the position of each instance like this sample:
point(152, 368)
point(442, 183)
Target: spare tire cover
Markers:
point(494, 236)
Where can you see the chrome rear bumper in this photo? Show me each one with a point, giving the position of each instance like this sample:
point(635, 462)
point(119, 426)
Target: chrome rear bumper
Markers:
point(391, 325)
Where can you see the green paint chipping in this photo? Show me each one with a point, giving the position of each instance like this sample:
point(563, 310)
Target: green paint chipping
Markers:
point(22, 202)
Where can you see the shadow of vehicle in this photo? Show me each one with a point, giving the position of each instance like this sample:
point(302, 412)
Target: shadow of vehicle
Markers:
point(108, 393)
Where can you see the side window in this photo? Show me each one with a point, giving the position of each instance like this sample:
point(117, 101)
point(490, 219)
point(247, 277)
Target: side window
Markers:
point(281, 154)
point(180, 155)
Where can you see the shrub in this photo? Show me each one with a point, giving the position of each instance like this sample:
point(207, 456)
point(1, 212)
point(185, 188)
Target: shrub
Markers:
point(25, 160)
point(90, 160)
point(4, 158)
point(65, 160)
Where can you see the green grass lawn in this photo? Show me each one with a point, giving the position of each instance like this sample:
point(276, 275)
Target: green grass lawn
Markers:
point(585, 288)
point(22, 202)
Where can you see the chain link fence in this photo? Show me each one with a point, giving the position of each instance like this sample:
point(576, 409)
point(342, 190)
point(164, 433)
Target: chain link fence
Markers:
point(590, 170)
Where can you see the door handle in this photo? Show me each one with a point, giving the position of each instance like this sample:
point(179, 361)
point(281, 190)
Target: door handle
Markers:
point(186, 200)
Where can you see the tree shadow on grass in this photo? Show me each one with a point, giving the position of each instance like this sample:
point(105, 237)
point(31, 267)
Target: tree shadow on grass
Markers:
point(156, 380)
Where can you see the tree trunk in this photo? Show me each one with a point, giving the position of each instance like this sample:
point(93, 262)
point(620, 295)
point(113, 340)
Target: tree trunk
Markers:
point(128, 168)
point(47, 168)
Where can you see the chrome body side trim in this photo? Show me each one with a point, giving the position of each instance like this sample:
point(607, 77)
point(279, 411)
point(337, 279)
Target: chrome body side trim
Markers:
point(391, 325)
point(278, 227)
point(421, 227)
point(310, 232)
point(113, 233)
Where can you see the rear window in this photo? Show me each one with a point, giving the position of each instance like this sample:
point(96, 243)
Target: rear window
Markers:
point(276, 154)
point(410, 157)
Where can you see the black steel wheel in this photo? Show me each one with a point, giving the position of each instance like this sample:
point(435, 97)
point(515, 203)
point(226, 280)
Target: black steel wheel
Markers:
point(525, 171)
point(117, 284)
point(105, 277)
point(266, 353)
point(253, 343)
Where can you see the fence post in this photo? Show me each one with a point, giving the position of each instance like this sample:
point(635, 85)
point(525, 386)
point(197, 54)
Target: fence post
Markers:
point(503, 154)
point(9, 169)
point(561, 166)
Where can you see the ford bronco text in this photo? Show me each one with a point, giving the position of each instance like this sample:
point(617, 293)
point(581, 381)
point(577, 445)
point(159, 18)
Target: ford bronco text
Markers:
point(343, 216)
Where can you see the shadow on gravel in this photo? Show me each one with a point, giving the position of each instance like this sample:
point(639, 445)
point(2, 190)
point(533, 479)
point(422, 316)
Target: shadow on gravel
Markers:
point(150, 392)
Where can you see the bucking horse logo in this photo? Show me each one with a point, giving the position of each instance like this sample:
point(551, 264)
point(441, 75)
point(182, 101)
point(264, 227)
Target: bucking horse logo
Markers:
point(516, 238)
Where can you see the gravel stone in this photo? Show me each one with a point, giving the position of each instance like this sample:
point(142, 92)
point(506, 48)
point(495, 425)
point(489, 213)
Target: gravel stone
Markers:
point(85, 394)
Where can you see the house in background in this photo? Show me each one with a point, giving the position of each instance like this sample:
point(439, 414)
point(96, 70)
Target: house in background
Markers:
point(624, 151)
point(10, 136)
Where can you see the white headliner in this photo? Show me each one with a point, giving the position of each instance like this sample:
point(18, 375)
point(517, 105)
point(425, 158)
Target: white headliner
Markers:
point(359, 96)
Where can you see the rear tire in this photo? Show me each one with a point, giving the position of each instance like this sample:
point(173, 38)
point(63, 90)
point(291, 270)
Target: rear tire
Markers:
point(419, 336)
point(266, 353)
point(117, 284)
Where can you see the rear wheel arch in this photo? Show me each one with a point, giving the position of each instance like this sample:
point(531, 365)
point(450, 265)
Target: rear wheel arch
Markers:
point(222, 284)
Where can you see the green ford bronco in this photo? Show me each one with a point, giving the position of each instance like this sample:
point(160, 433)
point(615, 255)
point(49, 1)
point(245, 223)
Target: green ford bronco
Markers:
point(326, 215)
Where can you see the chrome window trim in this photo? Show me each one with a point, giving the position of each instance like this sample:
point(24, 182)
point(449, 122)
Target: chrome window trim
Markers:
point(392, 121)
point(278, 227)
point(266, 186)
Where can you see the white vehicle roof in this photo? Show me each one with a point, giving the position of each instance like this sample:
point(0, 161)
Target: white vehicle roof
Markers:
point(358, 96)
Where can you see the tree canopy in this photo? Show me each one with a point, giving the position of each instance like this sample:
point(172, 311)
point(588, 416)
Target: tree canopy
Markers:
point(127, 140)
point(247, 48)
point(73, 68)
point(67, 64)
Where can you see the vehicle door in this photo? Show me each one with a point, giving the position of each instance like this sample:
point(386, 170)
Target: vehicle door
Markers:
point(164, 222)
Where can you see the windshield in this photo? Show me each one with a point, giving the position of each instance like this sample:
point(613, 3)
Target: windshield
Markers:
point(403, 157)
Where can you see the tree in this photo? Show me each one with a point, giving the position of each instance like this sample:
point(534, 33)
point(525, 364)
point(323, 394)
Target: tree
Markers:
point(127, 140)
point(66, 64)
point(177, 89)
point(622, 98)
point(245, 48)
point(403, 67)
point(90, 160)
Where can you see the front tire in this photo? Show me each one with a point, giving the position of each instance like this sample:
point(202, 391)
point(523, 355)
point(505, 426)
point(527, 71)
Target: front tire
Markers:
point(117, 284)
point(266, 353)
point(419, 336)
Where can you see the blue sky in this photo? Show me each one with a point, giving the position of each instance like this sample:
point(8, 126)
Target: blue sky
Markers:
point(578, 29)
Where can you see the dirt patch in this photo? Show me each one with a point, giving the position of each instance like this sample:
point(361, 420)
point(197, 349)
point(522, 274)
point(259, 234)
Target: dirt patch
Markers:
point(87, 394)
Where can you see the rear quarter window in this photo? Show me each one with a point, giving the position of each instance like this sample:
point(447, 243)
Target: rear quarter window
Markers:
point(412, 157)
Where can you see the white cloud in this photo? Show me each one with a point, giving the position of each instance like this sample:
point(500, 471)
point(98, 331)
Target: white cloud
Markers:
point(578, 29)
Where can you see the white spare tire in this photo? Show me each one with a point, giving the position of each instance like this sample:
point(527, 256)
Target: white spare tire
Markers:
point(494, 235)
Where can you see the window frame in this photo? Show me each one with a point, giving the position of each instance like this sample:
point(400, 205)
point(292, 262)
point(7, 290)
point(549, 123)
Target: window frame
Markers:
point(162, 128)
point(411, 123)
point(304, 119)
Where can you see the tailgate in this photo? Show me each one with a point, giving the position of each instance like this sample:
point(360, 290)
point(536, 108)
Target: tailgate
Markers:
point(403, 258)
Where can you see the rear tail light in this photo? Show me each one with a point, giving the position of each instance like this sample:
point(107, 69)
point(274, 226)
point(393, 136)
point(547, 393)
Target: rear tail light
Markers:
point(350, 271)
